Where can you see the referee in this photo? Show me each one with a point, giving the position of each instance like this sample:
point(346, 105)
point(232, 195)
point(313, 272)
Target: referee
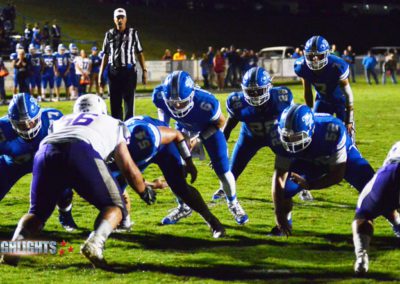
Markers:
point(119, 47)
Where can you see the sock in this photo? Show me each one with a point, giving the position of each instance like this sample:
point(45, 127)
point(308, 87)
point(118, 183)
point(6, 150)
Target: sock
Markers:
point(104, 229)
point(228, 184)
point(66, 209)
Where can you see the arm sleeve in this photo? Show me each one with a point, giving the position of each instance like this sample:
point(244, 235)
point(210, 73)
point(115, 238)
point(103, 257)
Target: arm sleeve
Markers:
point(340, 156)
point(343, 71)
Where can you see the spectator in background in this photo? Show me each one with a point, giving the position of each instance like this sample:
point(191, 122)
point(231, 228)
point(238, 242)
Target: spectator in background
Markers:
point(335, 52)
point(3, 75)
point(297, 53)
point(193, 57)
point(219, 69)
point(353, 61)
point(28, 33)
point(253, 59)
point(9, 14)
point(167, 55)
point(94, 74)
point(205, 70)
point(46, 33)
point(103, 80)
point(211, 75)
point(55, 34)
point(369, 63)
point(346, 56)
point(390, 65)
point(179, 55)
point(231, 75)
point(245, 62)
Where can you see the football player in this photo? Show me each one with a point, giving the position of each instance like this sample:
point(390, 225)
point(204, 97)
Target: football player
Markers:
point(48, 72)
point(152, 141)
point(75, 155)
point(62, 69)
point(379, 198)
point(14, 59)
point(258, 107)
point(35, 70)
point(197, 110)
point(328, 74)
point(316, 152)
point(21, 132)
point(73, 53)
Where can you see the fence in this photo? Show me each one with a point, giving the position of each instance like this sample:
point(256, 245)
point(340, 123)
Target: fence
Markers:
point(158, 70)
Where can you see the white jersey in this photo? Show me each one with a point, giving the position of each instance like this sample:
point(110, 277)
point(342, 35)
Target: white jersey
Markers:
point(83, 64)
point(394, 155)
point(103, 132)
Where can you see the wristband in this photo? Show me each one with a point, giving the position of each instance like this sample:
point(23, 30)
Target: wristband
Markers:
point(183, 149)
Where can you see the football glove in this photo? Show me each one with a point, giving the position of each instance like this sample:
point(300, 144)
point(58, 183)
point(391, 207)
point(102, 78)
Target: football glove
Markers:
point(148, 195)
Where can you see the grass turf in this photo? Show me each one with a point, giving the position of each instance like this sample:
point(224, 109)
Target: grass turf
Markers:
point(320, 249)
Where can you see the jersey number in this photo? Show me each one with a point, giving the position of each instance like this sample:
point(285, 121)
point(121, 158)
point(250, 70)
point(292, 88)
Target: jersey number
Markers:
point(83, 119)
point(261, 128)
point(321, 88)
point(332, 132)
point(142, 140)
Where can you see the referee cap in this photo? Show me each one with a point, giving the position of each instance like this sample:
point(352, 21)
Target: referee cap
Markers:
point(119, 12)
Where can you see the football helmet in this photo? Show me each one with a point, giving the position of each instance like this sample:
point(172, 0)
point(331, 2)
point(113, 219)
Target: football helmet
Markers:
point(25, 115)
point(48, 49)
point(316, 52)
point(178, 93)
point(18, 46)
point(73, 48)
point(61, 48)
point(90, 103)
point(31, 48)
point(296, 128)
point(256, 84)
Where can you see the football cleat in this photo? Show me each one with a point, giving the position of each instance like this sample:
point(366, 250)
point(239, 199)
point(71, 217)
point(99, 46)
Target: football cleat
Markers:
point(125, 225)
point(238, 212)
point(67, 221)
point(306, 195)
point(276, 232)
point(182, 211)
point(92, 249)
point(361, 264)
point(220, 193)
point(217, 229)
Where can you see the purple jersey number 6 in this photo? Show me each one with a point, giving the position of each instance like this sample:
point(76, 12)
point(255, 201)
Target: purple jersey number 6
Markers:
point(84, 119)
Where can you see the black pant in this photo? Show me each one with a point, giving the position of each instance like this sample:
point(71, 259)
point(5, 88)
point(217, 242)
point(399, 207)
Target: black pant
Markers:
point(122, 84)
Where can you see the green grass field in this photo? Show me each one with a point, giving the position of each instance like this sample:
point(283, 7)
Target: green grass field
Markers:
point(320, 249)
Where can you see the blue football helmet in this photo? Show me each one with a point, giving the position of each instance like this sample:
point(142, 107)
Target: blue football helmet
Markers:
point(25, 115)
point(256, 85)
point(296, 128)
point(316, 52)
point(178, 93)
point(73, 48)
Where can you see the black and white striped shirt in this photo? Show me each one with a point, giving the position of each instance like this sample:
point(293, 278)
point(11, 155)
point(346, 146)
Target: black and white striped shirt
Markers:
point(121, 47)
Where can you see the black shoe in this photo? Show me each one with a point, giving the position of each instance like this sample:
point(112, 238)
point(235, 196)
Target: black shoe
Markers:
point(67, 221)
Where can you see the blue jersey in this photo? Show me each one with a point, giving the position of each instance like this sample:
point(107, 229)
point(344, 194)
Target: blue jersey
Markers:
point(18, 150)
point(257, 122)
point(61, 61)
point(326, 80)
point(72, 63)
point(146, 143)
point(206, 110)
point(96, 62)
point(14, 57)
point(48, 60)
point(35, 63)
point(329, 146)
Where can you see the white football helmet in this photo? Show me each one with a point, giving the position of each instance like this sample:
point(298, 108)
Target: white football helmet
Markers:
point(90, 103)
